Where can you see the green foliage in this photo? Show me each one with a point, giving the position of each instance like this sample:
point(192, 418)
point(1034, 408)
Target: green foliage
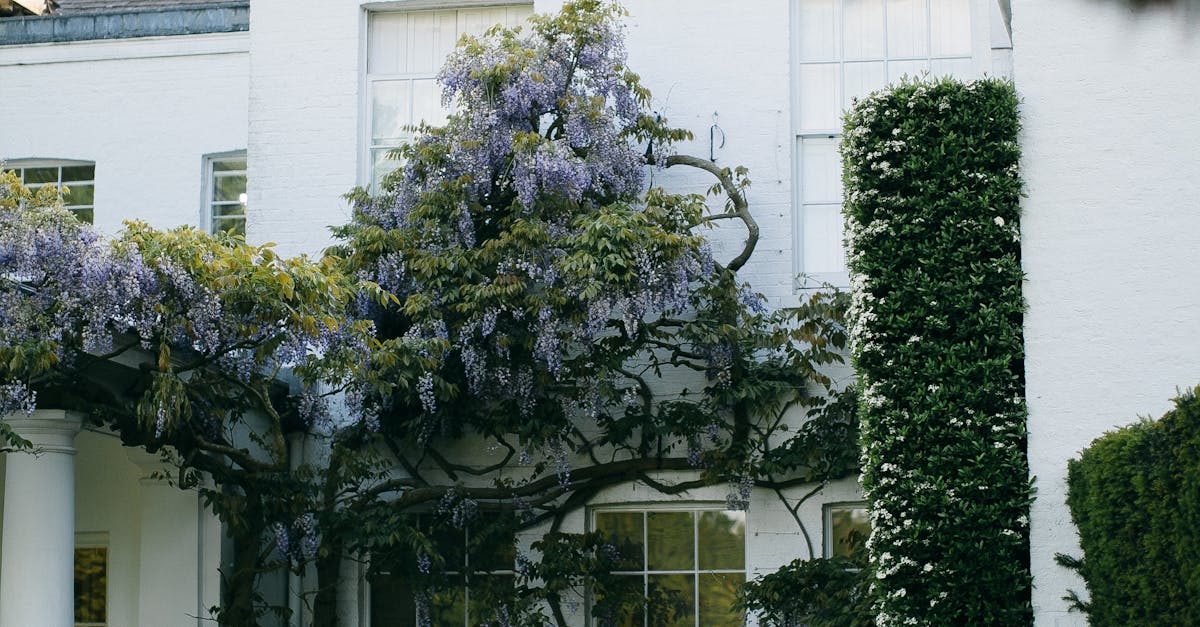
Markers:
point(932, 214)
point(821, 592)
point(514, 293)
point(1134, 495)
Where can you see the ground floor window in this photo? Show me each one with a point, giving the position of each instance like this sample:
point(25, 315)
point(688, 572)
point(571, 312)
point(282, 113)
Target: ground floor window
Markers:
point(91, 580)
point(847, 527)
point(689, 561)
point(478, 577)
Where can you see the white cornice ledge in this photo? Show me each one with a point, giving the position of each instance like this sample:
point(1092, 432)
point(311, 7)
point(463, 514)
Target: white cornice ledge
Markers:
point(137, 48)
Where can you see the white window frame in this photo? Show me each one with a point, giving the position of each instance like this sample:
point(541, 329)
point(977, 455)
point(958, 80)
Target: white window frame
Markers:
point(465, 573)
point(981, 37)
point(827, 520)
point(652, 507)
point(96, 540)
point(20, 165)
point(367, 79)
point(208, 201)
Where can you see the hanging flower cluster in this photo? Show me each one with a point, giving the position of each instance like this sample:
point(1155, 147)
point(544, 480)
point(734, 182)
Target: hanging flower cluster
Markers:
point(198, 309)
point(517, 237)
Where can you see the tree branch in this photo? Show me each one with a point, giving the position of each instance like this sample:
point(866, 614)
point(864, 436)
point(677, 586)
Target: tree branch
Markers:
point(736, 197)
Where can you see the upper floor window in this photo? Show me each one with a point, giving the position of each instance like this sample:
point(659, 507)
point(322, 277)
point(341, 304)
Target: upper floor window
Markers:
point(845, 49)
point(225, 193)
point(78, 177)
point(405, 51)
point(694, 559)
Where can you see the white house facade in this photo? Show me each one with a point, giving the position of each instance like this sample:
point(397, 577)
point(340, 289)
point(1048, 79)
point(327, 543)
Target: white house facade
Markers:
point(257, 117)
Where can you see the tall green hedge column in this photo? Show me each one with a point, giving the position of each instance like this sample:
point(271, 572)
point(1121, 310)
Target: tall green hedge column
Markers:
point(932, 191)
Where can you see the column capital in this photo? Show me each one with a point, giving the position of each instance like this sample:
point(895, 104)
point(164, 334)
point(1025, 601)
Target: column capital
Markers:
point(49, 430)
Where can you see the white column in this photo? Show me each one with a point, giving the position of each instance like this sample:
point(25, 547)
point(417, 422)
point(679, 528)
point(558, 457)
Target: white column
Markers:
point(168, 571)
point(350, 589)
point(37, 573)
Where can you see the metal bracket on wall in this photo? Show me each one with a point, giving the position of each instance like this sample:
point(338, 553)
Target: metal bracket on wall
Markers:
point(712, 135)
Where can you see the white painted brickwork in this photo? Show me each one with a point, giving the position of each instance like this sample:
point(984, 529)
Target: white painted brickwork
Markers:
point(304, 107)
point(1110, 159)
point(1111, 155)
point(145, 110)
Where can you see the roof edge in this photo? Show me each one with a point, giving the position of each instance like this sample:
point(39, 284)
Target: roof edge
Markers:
point(218, 17)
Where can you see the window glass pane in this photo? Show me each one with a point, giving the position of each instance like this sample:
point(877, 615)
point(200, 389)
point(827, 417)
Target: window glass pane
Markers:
point(491, 547)
point(86, 216)
point(392, 602)
point(80, 194)
point(389, 109)
point(861, 79)
point(950, 27)
point(817, 36)
point(963, 69)
point(722, 540)
point(228, 209)
point(229, 225)
point(91, 585)
point(488, 594)
point(427, 102)
point(673, 600)
point(381, 164)
point(41, 175)
point(911, 69)
point(823, 251)
point(433, 35)
point(387, 42)
point(907, 29)
point(229, 188)
point(718, 591)
point(627, 587)
point(451, 543)
point(863, 29)
point(229, 165)
point(448, 608)
point(669, 539)
point(849, 529)
point(624, 529)
point(822, 170)
point(819, 104)
point(78, 173)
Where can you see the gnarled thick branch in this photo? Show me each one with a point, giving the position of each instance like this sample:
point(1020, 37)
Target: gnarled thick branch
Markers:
point(736, 196)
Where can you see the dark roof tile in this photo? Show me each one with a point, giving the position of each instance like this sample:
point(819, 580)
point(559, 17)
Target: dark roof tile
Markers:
point(74, 7)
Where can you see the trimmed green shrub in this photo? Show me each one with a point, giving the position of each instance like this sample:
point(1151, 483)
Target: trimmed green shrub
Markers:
point(932, 214)
point(819, 592)
point(1134, 494)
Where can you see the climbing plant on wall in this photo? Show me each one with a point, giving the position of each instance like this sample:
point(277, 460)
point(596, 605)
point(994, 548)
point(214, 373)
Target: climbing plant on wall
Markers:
point(932, 229)
point(517, 292)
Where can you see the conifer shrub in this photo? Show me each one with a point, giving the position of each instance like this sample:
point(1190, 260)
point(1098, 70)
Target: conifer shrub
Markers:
point(1134, 494)
point(933, 245)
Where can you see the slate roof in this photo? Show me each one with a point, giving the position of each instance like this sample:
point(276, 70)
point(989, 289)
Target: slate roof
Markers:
point(82, 20)
point(76, 7)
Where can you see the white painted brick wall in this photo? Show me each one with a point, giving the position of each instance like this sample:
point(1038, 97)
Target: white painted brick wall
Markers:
point(145, 116)
point(1109, 244)
point(304, 108)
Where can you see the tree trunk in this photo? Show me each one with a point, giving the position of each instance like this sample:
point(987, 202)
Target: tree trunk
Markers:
point(237, 606)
